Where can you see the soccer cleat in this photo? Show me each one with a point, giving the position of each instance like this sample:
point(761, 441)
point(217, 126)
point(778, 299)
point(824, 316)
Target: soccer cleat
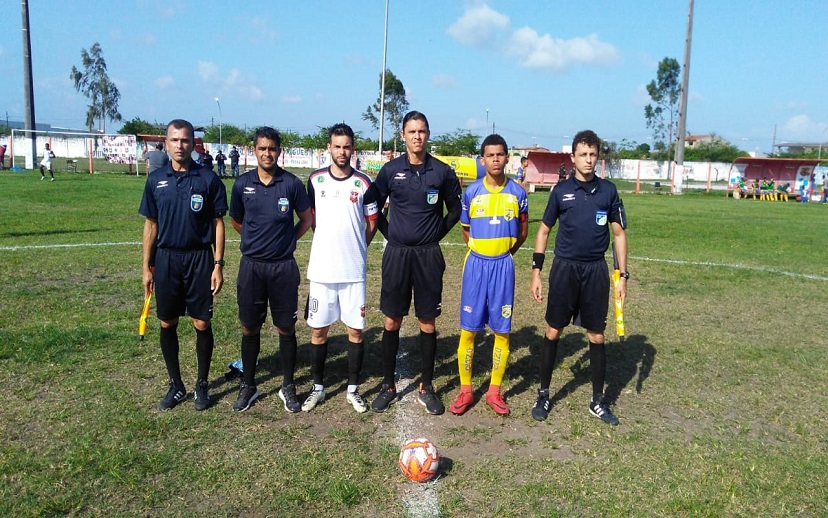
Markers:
point(202, 395)
point(464, 401)
point(427, 398)
point(386, 397)
point(542, 406)
point(42, 177)
point(314, 398)
point(288, 396)
point(601, 410)
point(247, 395)
point(175, 395)
point(357, 401)
point(53, 180)
point(495, 400)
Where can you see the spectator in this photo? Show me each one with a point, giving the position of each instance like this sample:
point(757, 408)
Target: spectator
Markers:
point(234, 161)
point(2, 157)
point(156, 158)
point(220, 158)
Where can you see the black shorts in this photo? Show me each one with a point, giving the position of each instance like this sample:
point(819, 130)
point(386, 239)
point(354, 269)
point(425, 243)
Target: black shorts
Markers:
point(578, 290)
point(412, 268)
point(260, 283)
point(182, 284)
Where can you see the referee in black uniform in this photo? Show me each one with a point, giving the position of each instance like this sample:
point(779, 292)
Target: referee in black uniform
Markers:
point(262, 204)
point(418, 187)
point(586, 207)
point(184, 204)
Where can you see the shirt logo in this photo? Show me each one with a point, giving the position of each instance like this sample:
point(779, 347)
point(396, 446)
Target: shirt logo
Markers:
point(510, 215)
point(250, 190)
point(357, 183)
point(196, 202)
point(432, 197)
point(284, 206)
point(400, 176)
point(568, 197)
point(320, 179)
point(354, 196)
point(161, 184)
point(601, 218)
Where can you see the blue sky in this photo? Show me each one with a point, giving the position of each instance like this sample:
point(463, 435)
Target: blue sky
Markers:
point(542, 69)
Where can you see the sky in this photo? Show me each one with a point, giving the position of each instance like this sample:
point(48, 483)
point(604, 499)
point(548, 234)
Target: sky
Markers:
point(538, 71)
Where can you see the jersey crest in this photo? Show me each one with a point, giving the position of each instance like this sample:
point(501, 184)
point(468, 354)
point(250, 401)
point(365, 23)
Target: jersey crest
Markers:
point(284, 206)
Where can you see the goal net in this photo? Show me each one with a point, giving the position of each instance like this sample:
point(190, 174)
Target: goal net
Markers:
point(75, 152)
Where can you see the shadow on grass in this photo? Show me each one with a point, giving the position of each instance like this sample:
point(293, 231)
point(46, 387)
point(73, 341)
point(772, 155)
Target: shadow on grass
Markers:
point(49, 232)
point(635, 356)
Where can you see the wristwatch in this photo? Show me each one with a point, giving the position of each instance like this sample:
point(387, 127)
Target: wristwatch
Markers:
point(625, 275)
point(220, 262)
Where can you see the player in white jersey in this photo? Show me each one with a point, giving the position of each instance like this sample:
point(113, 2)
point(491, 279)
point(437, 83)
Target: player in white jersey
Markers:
point(345, 216)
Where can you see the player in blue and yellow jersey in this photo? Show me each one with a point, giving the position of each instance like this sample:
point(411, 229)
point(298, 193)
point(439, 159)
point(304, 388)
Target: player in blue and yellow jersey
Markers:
point(495, 221)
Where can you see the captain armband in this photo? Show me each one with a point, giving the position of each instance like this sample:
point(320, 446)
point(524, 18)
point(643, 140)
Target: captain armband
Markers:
point(537, 260)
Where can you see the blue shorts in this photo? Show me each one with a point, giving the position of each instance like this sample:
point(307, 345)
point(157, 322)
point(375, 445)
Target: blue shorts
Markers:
point(182, 284)
point(488, 293)
point(261, 283)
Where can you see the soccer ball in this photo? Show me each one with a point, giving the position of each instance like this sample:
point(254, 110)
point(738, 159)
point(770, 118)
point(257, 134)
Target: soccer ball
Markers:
point(419, 460)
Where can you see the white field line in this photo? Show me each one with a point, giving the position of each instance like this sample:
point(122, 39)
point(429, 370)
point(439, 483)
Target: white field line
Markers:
point(761, 269)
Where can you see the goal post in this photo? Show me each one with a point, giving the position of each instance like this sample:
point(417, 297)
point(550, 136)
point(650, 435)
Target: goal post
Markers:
point(76, 151)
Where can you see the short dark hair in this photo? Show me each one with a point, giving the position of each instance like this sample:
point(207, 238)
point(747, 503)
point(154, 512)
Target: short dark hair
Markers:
point(417, 116)
point(158, 145)
point(587, 137)
point(266, 132)
point(340, 130)
point(524, 159)
point(182, 124)
point(493, 140)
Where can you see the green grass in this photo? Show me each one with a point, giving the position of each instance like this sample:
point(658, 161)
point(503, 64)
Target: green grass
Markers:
point(719, 385)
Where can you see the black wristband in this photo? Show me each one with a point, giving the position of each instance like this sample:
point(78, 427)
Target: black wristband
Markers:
point(537, 261)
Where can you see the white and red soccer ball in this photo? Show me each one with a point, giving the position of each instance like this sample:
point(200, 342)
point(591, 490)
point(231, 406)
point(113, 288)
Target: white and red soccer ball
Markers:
point(419, 460)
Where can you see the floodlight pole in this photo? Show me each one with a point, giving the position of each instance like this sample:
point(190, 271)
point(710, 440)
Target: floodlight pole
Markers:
point(220, 117)
point(28, 88)
point(382, 86)
point(685, 82)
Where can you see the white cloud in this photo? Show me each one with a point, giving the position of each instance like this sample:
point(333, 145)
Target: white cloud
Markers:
point(444, 81)
point(164, 82)
point(544, 51)
point(292, 99)
point(479, 26)
point(802, 127)
point(641, 97)
point(147, 39)
point(208, 71)
point(482, 26)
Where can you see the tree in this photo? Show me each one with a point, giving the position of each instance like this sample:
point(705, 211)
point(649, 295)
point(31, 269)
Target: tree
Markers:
point(662, 116)
point(716, 151)
point(138, 126)
point(396, 105)
point(93, 82)
point(230, 134)
point(459, 143)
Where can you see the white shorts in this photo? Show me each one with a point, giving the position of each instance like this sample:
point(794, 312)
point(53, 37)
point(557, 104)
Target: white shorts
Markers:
point(329, 302)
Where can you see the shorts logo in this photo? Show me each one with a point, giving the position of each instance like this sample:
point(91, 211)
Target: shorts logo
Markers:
point(313, 305)
point(284, 206)
point(467, 309)
point(354, 196)
point(506, 311)
point(432, 196)
point(196, 202)
point(601, 218)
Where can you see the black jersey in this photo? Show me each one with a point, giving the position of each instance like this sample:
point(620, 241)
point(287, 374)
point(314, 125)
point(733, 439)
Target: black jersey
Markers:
point(417, 195)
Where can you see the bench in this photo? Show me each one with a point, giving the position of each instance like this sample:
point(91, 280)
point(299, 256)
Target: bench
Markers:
point(72, 165)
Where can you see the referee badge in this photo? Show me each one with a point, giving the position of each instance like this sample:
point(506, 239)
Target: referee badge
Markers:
point(284, 206)
point(601, 218)
point(432, 196)
point(196, 202)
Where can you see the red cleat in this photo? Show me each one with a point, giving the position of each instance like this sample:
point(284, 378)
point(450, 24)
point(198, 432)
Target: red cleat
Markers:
point(463, 402)
point(495, 400)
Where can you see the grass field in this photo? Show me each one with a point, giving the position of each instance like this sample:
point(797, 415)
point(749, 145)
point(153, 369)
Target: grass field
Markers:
point(717, 385)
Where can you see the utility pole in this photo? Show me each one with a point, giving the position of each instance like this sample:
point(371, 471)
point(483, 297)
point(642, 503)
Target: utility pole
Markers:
point(685, 81)
point(28, 89)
